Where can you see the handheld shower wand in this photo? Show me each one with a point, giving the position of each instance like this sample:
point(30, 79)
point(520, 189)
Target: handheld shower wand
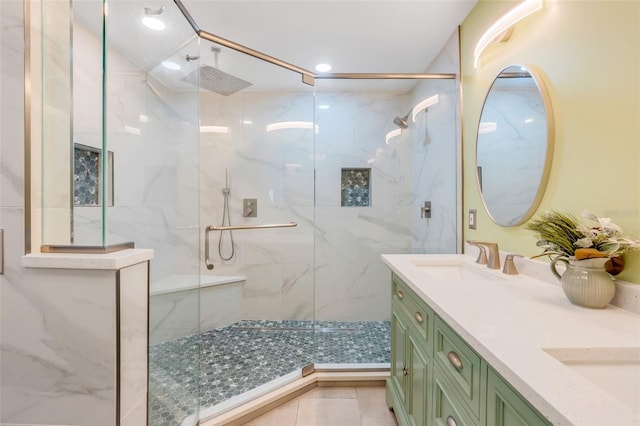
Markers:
point(226, 217)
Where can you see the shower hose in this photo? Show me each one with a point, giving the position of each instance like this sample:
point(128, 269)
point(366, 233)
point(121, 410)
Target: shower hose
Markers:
point(226, 218)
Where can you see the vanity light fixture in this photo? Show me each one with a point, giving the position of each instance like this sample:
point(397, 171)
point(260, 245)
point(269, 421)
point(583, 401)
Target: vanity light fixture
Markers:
point(324, 106)
point(214, 129)
point(503, 24)
point(422, 105)
point(150, 21)
point(292, 125)
point(247, 122)
point(392, 134)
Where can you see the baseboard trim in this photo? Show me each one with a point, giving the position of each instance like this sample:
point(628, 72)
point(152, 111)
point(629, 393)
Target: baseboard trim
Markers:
point(265, 403)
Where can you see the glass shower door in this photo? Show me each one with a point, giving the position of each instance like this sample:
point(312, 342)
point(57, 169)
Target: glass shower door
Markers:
point(152, 134)
point(256, 154)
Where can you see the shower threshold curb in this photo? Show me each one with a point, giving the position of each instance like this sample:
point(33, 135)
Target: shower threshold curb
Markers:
point(265, 403)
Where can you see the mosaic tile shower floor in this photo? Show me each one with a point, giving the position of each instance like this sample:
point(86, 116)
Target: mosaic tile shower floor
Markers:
point(247, 354)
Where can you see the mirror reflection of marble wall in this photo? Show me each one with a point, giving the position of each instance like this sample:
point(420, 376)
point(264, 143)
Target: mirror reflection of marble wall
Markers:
point(514, 147)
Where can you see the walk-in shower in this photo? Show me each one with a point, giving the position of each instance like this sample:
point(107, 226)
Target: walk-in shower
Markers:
point(300, 285)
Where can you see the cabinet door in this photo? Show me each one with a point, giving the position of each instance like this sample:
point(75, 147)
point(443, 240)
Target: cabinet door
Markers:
point(399, 367)
point(419, 382)
point(505, 407)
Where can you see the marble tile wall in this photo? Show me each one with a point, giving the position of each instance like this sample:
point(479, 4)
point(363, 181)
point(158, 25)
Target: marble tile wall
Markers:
point(277, 168)
point(54, 367)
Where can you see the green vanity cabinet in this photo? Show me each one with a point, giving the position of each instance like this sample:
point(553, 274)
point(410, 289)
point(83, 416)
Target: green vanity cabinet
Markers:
point(505, 407)
point(419, 382)
point(438, 379)
point(411, 364)
point(399, 338)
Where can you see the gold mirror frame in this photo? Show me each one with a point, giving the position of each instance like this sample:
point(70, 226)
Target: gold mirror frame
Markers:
point(544, 178)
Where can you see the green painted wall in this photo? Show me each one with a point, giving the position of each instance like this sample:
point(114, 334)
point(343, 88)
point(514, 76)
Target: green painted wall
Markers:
point(589, 56)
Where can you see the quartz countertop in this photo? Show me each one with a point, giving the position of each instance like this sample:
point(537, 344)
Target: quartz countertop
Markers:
point(109, 261)
point(516, 322)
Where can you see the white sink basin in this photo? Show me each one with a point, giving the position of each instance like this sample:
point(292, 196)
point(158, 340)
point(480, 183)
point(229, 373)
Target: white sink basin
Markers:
point(615, 370)
point(453, 270)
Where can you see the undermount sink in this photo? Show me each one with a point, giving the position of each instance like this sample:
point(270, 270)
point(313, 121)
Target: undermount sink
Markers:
point(453, 270)
point(615, 370)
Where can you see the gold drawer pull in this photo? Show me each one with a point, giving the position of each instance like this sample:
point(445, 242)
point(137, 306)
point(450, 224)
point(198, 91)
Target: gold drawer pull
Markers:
point(419, 317)
point(400, 295)
point(455, 360)
point(451, 421)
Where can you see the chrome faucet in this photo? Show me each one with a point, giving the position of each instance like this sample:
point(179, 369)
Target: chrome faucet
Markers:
point(494, 253)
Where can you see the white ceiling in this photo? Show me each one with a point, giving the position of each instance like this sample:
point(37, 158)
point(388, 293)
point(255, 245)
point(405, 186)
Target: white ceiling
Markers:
point(355, 36)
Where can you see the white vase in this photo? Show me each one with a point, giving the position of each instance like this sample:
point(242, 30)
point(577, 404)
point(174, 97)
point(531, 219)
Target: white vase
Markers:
point(586, 282)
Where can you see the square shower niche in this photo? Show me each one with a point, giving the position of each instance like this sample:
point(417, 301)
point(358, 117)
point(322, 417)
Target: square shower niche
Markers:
point(355, 188)
point(87, 176)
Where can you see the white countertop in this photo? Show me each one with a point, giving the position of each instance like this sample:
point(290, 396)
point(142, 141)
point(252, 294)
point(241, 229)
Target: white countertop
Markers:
point(509, 320)
point(109, 261)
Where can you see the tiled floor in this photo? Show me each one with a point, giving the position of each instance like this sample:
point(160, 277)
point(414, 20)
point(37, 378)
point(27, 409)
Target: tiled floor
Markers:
point(332, 406)
point(212, 367)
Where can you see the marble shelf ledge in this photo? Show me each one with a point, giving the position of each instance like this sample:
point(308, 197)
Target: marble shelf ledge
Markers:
point(110, 261)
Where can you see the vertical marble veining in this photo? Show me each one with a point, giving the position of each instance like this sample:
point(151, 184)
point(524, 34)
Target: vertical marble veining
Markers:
point(348, 281)
point(133, 341)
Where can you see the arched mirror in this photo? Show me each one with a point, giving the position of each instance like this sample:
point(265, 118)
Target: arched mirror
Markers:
point(514, 145)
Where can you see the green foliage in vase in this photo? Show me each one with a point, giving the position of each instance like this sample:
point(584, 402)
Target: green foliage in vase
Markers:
point(561, 234)
point(557, 233)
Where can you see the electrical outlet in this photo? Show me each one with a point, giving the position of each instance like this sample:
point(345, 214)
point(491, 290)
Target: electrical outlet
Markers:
point(472, 219)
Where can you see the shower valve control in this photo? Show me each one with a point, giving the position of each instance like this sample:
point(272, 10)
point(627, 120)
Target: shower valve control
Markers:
point(249, 207)
point(425, 211)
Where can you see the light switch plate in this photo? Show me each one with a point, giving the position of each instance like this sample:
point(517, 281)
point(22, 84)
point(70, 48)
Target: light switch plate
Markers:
point(472, 219)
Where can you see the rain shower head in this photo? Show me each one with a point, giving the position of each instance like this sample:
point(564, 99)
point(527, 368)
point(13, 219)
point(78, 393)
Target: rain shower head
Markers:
point(402, 122)
point(214, 80)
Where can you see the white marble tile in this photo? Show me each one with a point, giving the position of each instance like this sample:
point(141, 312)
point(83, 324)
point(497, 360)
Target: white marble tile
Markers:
point(297, 292)
point(11, 103)
point(173, 315)
point(276, 168)
point(262, 292)
point(133, 336)
point(62, 370)
point(220, 306)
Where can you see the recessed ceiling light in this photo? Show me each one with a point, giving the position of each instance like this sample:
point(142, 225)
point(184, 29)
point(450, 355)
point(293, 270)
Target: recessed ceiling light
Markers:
point(323, 106)
point(153, 23)
point(323, 67)
point(171, 65)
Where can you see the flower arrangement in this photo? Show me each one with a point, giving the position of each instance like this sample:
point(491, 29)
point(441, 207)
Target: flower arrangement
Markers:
point(562, 234)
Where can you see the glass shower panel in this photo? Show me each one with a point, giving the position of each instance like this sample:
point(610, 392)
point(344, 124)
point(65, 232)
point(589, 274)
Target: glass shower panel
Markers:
point(257, 138)
point(152, 134)
point(372, 177)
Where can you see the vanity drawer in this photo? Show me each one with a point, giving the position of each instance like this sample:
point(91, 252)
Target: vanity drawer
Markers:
point(421, 316)
point(460, 365)
point(447, 409)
